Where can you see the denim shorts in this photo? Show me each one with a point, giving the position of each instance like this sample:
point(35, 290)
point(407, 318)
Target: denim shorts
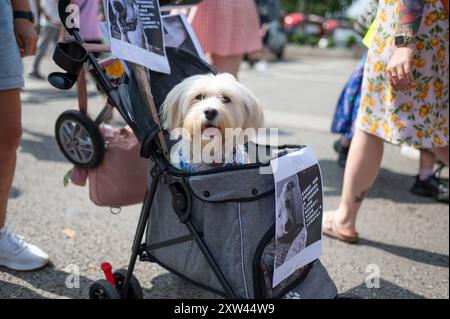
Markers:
point(11, 68)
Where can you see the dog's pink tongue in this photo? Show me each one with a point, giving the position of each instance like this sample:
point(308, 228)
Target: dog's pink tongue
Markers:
point(210, 131)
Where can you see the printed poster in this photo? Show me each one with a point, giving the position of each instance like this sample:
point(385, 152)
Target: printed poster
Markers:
point(299, 210)
point(178, 33)
point(137, 34)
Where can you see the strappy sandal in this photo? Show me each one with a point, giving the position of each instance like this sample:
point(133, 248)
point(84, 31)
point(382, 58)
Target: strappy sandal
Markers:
point(330, 230)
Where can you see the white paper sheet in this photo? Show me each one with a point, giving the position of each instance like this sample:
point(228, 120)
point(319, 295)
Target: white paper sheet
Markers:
point(178, 33)
point(136, 33)
point(299, 210)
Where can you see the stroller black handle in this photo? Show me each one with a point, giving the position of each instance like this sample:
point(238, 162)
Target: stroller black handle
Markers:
point(67, 15)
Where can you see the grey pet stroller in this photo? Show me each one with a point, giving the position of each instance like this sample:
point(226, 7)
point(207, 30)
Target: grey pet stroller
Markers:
point(211, 228)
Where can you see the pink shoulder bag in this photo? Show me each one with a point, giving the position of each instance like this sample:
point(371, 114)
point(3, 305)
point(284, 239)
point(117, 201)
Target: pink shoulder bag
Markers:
point(121, 179)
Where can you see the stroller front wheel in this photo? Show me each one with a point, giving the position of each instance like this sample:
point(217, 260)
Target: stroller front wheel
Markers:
point(134, 290)
point(102, 289)
point(79, 139)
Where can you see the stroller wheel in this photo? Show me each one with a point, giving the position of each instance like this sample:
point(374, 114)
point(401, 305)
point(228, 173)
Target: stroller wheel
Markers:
point(102, 289)
point(79, 139)
point(134, 290)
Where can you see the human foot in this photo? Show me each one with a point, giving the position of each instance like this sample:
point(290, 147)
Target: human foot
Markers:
point(332, 229)
point(16, 254)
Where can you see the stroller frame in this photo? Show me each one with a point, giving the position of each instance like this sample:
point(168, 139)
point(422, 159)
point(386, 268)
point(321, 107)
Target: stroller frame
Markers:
point(180, 192)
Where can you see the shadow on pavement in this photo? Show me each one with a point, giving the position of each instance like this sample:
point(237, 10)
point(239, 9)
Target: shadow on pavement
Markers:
point(48, 279)
point(42, 147)
point(53, 281)
point(13, 291)
point(388, 185)
point(14, 193)
point(169, 286)
point(414, 254)
point(387, 290)
point(165, 286)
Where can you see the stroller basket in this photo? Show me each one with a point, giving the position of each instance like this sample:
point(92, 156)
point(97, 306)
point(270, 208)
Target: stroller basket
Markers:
point(214, 228)
point(234, 211)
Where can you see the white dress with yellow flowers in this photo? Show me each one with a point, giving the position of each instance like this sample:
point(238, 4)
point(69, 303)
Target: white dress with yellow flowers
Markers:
point(418, 117)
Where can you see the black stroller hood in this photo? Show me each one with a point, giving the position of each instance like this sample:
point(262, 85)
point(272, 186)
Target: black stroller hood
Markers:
point(133, 108)
point(182, 65)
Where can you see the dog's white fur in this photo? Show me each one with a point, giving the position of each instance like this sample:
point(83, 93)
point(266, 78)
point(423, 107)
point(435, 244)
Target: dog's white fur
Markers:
point(288, 209)
point(236, 106)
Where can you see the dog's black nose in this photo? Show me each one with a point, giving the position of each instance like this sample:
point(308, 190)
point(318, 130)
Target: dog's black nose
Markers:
point(211, 114)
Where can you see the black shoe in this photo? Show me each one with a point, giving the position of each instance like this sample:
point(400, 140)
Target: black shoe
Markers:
point(342, 153)
point(36, 75)
point(431, 187)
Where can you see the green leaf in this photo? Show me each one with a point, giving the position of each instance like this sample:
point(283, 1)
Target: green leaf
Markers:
point(66, 179)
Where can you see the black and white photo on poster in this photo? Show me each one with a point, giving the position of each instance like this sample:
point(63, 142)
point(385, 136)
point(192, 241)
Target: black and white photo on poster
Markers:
point(178, 33)
point(136, 33)
point(299, 208)
point(291, 232)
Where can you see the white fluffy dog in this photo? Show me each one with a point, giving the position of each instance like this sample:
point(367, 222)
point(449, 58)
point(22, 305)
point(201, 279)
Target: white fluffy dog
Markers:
point(205, 106)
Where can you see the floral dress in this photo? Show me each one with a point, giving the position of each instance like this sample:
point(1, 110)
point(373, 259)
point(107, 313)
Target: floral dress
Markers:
point(417, 117)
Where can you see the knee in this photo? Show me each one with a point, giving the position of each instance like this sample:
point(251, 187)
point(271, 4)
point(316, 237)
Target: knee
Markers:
point(10, 138)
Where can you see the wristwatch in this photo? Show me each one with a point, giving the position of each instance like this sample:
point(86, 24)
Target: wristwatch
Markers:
point(402, 40)
point(27, 15)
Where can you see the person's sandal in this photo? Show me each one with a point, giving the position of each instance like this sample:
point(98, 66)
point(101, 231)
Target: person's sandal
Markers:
point(330, 230)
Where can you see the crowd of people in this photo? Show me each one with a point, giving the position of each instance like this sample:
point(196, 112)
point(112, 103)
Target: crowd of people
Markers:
point(398, 93)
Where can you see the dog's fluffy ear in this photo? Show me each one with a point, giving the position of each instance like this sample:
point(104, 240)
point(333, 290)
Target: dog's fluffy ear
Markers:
point(171, 117)
point(255, 115)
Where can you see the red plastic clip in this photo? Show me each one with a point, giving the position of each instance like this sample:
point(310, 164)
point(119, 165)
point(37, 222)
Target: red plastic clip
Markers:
point(107, 270)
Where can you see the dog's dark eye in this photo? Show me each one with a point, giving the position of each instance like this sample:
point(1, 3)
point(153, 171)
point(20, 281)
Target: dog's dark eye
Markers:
point(226, 99)
point(200, 97)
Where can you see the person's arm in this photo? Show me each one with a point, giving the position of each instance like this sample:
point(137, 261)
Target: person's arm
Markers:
point(24, 30)
point(410, 16)
point(399, 70)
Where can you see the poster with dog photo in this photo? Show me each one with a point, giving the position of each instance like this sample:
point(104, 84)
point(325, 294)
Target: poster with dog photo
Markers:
point(299, 209)
point(136, 33)
point(178, 33)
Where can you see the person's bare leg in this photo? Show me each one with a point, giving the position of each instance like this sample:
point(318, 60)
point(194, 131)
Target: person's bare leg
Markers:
point(227, 64)
point(10, 134)
point(427, 161)
point(363, 164)
point(442, 154)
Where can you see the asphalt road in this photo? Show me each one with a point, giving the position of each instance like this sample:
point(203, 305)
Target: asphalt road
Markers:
point(405, 237)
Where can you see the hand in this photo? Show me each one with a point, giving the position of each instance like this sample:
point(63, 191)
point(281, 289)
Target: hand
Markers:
point(399, 69)
point(26, 37)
